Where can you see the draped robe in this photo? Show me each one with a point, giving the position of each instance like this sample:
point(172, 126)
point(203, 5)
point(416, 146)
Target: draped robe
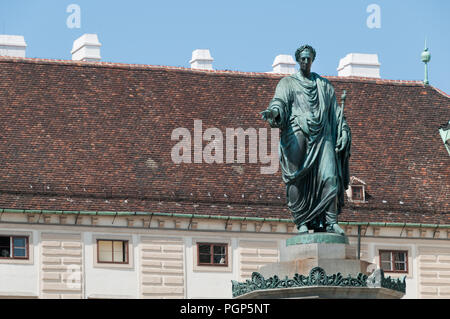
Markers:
point(311, 122)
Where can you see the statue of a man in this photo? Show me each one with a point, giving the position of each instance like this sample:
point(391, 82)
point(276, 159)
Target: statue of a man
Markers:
point(314, 146)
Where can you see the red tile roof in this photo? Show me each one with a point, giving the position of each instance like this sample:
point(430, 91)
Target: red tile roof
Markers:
point(97, 136)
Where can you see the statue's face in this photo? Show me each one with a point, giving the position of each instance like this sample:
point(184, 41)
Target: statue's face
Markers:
point(305, 61)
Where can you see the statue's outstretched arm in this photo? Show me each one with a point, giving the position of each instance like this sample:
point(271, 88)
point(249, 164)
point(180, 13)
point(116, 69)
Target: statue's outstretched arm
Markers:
point(276, 112)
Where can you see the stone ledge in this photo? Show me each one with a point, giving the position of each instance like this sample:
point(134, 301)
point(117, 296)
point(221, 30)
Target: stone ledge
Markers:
point(304, 266)
point(321, 292)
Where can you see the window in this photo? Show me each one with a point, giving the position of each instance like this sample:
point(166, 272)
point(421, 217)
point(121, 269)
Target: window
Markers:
point(357, 193)
point(112, 251)
point(212, 254)
point(13, 247)
point(394, 261)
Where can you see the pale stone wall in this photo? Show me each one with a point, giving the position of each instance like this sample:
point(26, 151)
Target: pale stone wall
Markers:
point(206, 281)
point(61, 267)
point(62, 261)
point(364, 248)
point(111, 280)
point(162, 267)
point(434, 272)
point(254, 254)
point(19, 278)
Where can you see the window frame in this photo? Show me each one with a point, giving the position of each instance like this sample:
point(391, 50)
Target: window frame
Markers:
point(125, 244)
point(211, 245)
point(392, 260)
point(11, 245)
point(363, 195)
point(361, 189)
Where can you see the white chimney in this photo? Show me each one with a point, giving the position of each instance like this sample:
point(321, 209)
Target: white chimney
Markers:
point(201, 59)
point(86, 48)
point(359, 64)
point(12, 45)
point(284, 63)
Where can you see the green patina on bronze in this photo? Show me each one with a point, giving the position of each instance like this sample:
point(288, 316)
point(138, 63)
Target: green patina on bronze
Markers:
point(314, 146)
point(317, 238)
point(426, 57)
point(318, 277)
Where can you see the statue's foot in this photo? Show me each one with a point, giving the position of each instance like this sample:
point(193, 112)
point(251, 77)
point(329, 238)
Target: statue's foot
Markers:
point(303, 229)
point(335, 228)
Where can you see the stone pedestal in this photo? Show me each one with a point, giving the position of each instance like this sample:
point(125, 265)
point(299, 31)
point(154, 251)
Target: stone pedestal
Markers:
point(320, 265)
point(328, 251)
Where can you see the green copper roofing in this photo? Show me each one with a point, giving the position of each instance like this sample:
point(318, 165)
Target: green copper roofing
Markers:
point(123, 213)
point(377, 224)
point(222, 217)
point(235, 218)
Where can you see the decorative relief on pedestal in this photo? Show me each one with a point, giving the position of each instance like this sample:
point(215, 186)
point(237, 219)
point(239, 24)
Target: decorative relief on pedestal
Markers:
point(377, 280)
point(317, 277)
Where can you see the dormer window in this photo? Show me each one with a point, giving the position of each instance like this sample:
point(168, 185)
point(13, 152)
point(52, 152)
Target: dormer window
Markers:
point(356, 190)
point(444, 130)
point(357, 193)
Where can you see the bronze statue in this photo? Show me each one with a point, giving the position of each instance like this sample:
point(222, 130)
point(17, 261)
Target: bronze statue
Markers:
point(314, 146)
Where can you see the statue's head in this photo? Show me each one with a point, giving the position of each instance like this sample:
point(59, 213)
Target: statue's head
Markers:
point(305, 56)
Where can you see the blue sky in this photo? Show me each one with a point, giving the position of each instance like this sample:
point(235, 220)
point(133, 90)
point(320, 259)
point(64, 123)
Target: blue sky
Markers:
point(242, 35)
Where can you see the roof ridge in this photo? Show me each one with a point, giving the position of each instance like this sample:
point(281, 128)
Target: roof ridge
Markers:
point(440, 92)
point(375, 80)
point(133, 66)
point(105, 64)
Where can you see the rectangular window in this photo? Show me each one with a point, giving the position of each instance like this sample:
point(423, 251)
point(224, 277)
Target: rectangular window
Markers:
point(357, 193)
point(394, 261)
point(112, 251)
point(212, 254)
point(13, 247)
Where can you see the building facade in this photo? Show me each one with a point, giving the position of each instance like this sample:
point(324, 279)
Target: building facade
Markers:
point(162, 258)
point(111, 187)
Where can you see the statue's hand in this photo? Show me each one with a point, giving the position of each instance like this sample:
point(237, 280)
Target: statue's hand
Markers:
point(269, 115)
point(266, 114)
point(342, 142)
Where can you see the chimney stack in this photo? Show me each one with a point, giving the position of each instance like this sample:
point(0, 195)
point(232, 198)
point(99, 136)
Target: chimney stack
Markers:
point(284, 64)
point(86, 48)
point(359, 64)
point(201, 59)
point(12, 45)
